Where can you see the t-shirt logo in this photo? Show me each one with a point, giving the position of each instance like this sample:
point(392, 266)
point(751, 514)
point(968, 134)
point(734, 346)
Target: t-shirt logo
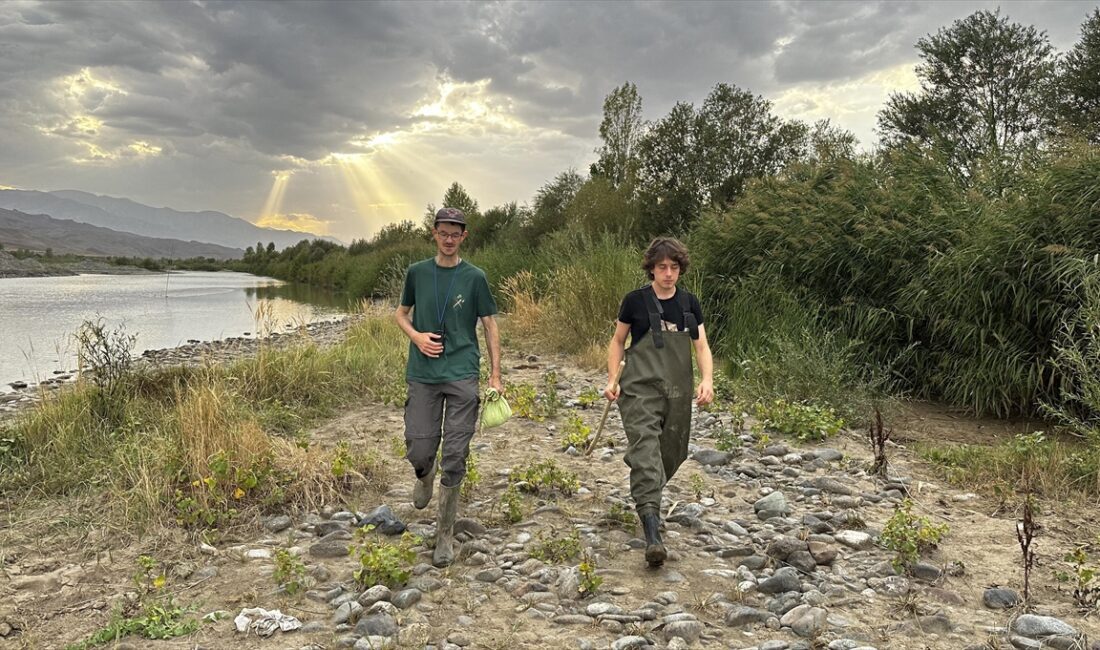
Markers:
point(459, 301)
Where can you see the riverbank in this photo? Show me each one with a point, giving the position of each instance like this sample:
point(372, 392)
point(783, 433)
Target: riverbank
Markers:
point(194, 352)
point(13, 267)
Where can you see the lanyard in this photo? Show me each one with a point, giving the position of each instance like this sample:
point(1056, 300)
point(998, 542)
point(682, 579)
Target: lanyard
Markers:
point(435, 276)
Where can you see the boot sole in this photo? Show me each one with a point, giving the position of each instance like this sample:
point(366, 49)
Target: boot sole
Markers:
point(655, 555)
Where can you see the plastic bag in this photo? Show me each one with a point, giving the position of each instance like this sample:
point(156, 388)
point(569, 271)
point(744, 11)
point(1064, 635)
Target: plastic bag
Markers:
point(495, 411)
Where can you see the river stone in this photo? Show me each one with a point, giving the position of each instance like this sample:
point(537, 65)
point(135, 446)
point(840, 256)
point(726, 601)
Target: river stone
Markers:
point(1037, 627)
point(925, 572)
point(832, 486)
point(854, 539)
point(329, 548)
point(773, 505)
point(490, 575)
point(375, 643)
point(806, 621)
point(277, 524)
point(783, 580)
point(347, 613)
point(598, 609)
point(827, 454)
point(822, 552)
point(630, 643)
point(689, 631)
point(376, 625)
point(742, 615)
point(781, 547)
point(374, 594)
point(469, 526)
point(998, 598)
point(711, 457)
point(803, 561)
point(406, 598)
point(573, 619)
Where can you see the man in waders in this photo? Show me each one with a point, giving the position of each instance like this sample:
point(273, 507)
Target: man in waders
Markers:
point(655, 391)
point(443, 299)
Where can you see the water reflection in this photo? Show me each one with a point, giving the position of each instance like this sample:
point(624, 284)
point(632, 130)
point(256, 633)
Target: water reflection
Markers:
point(302, 293)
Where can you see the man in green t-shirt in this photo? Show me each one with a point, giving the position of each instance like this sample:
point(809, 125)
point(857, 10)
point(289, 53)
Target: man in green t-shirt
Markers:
point(443, 299)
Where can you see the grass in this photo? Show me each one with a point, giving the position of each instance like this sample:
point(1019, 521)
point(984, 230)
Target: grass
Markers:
point(198, 445)
point(1067, 470)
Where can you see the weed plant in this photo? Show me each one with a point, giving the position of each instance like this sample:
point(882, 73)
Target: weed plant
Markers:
point(555, 549)
point(909, 536)
point(545, 477)
point(381, 562)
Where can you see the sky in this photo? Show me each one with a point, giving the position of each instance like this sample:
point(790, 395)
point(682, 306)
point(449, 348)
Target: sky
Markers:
point(339, 118)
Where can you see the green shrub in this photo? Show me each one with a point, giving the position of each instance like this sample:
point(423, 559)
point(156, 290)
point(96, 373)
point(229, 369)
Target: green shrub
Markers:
point(380, 562)
point(803, 421)
point(290, 572)
point(540, 477)
point(575, 433)
point(556, 549)
point(910, 536)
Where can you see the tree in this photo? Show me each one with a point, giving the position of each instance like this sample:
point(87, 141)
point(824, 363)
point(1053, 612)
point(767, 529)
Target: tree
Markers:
point(1079, 83)
point(692, 159)
point(985, 97)
point(270, 248)
point(551, 201)
point(620, 130)
point(598, 208)
point(739, 139)
point(829, 143)
point(457, 197)
point(668, 177)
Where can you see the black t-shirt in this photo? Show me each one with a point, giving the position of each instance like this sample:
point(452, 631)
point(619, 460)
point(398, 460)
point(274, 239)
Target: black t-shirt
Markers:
point(634, 312)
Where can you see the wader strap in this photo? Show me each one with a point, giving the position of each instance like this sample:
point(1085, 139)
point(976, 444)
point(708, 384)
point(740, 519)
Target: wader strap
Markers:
point(689, 316)
point(655, 317)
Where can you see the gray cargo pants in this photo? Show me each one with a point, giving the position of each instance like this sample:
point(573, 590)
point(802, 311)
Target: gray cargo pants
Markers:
point(441, 411)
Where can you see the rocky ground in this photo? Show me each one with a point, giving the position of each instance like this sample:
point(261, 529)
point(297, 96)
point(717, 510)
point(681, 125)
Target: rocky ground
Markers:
point(773, 547)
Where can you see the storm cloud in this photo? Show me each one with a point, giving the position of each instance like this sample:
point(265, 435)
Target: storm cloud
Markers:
point(207, 105)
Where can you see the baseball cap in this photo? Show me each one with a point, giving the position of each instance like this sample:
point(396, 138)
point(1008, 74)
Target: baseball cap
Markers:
point(451, 215)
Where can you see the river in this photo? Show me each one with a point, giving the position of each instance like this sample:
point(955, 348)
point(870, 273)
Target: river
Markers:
point(38, 316)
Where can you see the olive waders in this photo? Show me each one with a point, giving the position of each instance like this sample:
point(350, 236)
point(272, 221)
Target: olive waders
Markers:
point(655, 404)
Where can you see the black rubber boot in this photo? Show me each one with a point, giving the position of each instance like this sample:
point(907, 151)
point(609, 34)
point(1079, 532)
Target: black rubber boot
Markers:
point(655, 553)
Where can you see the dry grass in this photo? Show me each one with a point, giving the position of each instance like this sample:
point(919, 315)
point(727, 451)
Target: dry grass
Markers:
point(207, 445)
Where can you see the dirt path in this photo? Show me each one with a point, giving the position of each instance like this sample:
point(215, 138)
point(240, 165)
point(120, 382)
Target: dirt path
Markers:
point(60, 584)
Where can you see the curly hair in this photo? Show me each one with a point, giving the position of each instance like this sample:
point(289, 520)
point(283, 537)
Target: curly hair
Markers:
point(665, 248)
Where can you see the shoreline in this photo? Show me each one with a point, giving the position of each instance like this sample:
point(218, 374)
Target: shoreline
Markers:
point(14, 399)
point(69, 270)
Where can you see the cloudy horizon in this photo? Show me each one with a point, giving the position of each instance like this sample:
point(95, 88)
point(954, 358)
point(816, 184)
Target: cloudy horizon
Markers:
point(339, 118)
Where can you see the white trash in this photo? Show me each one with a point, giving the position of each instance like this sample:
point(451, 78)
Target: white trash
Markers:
point(264, 622)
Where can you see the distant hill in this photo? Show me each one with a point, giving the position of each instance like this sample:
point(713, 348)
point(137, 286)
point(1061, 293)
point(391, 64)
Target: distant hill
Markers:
point(124, 215)
point(63, 236)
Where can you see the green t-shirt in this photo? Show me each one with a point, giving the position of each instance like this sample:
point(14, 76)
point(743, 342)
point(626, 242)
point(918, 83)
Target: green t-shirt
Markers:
point(462, 294)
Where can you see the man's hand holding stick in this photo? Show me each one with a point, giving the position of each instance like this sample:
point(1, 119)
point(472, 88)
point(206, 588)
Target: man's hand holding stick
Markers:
point(614, 389)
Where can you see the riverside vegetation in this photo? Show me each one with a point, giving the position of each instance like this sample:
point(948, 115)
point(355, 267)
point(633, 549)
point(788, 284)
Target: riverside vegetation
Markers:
point(836, 284)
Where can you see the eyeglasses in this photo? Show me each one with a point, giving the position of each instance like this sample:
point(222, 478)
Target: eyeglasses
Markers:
point(449, 236)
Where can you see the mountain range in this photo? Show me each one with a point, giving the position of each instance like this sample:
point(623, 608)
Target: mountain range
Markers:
point(63, 236)
point(126, 216)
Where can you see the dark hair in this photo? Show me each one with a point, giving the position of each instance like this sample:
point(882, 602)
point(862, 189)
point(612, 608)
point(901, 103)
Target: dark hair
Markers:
point(665, 248)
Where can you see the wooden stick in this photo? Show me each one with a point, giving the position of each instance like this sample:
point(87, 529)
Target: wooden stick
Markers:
point(606, 409)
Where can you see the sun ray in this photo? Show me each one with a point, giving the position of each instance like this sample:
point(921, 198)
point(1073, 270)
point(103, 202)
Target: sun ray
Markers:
point(274, 201)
